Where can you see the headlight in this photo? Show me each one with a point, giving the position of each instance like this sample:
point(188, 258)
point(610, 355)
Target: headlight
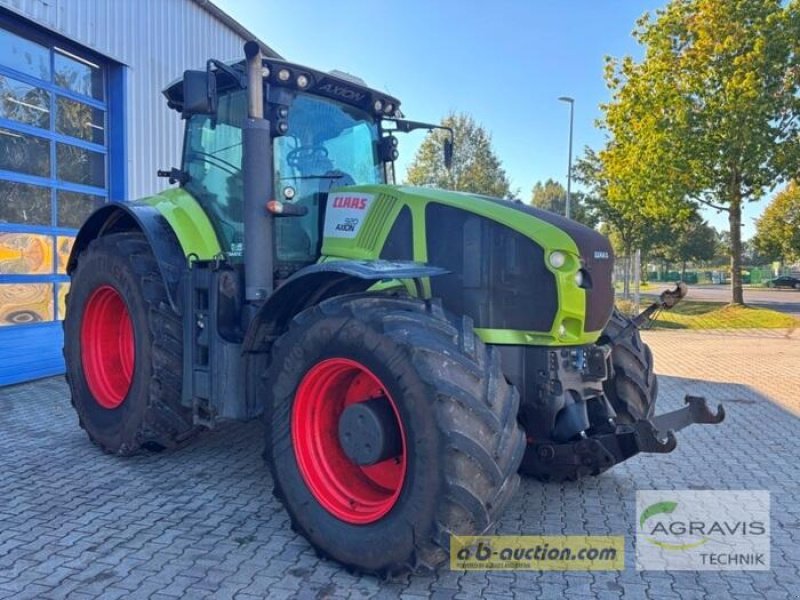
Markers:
point(302, 81)
point(378, 105)
point(284, 74)
point(579, 278)
point(562, 330)
point(557, 259)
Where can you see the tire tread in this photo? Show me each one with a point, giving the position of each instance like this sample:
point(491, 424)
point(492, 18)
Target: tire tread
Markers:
point(166, 422)
point(484, 443)
point(632, 386)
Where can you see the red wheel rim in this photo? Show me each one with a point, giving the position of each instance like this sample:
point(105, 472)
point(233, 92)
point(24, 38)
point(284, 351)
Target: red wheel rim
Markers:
point(354, 493)
point(107, 349)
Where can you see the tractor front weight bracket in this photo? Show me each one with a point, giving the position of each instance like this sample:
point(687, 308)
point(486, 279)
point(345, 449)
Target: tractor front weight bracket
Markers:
point(599, 452)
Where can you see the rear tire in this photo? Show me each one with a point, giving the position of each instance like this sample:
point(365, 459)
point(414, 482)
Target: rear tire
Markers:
point(123, 348)
point(632, 386)
point(462, 444)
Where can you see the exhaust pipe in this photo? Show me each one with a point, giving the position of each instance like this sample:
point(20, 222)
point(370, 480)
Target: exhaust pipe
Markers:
point(259, 247)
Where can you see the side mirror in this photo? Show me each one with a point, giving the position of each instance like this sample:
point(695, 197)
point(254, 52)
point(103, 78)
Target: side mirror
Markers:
point(448, 152)
point(199, 93)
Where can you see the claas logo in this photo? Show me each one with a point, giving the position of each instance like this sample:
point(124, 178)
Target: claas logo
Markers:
point(350, 202)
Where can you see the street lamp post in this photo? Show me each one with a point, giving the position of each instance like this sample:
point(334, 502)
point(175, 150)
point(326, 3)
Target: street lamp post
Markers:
point(571, 102)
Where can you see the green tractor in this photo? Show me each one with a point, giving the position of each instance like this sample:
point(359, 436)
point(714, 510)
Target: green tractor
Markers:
point(410, 350)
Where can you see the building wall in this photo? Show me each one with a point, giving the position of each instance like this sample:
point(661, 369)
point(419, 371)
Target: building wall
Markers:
point(156, 40)
point(141, 46)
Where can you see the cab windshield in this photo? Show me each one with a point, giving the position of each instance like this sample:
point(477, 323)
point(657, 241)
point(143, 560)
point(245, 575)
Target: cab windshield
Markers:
point(327, 145)
point(327, 140)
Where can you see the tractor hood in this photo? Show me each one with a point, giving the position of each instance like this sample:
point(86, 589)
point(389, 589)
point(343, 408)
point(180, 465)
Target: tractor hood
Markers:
point(525, 275)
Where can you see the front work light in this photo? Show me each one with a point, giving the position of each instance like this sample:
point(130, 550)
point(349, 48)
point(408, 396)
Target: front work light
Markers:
point(557, 259)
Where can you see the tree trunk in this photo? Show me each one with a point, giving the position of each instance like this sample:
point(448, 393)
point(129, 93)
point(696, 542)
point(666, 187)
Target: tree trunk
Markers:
point(683, 271)
point(735, 222)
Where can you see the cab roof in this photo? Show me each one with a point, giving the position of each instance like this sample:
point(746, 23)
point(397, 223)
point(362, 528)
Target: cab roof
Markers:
point(335, 85)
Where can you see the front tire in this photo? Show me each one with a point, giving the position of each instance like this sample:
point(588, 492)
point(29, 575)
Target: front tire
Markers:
point(632, 386)
point(456, 466)
point(123, 348)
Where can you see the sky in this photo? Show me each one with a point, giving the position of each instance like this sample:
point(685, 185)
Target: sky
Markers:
point(505, 62)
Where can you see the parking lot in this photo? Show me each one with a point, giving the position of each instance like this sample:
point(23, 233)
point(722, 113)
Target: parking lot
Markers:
point(200, 521)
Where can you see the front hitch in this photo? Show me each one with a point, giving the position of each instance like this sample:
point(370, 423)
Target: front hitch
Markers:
point(696, 410)
point(601, 447)
point(601, 451)
point(666, 300)
point(658, 434)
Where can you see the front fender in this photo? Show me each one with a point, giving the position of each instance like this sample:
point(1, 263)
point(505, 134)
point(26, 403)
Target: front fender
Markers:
point(315, 283)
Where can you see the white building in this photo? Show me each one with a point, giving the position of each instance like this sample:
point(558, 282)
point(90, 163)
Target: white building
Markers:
point(83, 122)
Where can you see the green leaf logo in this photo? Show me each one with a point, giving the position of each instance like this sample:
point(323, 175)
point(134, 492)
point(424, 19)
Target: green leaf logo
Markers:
point(656, 509)
point(666, 507)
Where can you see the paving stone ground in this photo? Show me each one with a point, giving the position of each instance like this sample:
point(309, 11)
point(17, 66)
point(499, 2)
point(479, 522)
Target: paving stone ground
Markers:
point(200, 522)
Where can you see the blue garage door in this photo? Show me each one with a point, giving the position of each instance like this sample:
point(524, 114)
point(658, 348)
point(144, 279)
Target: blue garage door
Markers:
point(53, 173)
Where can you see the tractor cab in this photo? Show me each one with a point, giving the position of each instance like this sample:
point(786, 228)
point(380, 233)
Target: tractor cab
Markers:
point(327, 130)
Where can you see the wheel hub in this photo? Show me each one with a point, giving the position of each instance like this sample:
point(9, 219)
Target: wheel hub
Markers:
point(369, 433)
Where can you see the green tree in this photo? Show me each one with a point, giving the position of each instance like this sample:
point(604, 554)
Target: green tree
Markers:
point(632, 219)
point(551, 195)
point(751, 255)
point(691, 241)
point(778, 228)
point(476, 167)
point(712, 112)
point(722, 255)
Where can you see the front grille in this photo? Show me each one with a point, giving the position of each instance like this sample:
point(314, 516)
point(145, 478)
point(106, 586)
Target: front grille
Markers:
point(591, 244)
point(497, 275)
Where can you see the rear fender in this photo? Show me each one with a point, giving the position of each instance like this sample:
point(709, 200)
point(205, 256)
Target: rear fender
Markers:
point(116, 218)
point(315, 283)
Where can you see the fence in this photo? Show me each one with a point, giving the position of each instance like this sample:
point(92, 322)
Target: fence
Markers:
point(752, 275)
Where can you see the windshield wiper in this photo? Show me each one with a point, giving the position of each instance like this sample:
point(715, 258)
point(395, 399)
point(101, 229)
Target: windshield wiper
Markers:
point(334, 176)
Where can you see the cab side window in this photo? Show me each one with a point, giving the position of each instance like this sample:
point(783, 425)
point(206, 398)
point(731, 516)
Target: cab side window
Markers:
point(213, 160)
